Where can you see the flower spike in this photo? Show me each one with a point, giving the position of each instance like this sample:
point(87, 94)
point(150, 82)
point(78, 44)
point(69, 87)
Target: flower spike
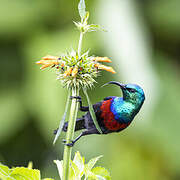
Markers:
point(74, 70)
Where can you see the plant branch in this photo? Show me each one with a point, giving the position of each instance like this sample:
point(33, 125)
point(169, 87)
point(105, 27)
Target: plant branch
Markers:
point(70, 134)
point(71, 123)
point(80, 44)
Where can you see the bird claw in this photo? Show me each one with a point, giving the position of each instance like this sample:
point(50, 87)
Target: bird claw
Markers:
point(71, 144)
point(76, 97)
point(55, 131)
point(63, 141)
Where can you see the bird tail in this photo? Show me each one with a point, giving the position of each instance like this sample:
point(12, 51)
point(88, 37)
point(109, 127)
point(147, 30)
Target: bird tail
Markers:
point(80, 124)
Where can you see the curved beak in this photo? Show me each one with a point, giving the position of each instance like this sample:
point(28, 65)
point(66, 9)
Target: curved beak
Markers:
point(122, 86)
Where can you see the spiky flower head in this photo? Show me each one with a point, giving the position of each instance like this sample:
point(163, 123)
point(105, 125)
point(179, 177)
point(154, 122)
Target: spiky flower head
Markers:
point(74, 71)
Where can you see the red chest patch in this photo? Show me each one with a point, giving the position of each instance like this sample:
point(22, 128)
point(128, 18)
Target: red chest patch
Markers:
point(108, 117)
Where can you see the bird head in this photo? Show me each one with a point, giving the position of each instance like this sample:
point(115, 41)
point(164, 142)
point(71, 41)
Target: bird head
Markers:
point(131, 92)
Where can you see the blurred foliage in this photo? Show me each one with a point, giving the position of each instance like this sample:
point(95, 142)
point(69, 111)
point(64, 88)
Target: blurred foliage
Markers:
point(32, 102)
point(19, 173)
point(81, 170)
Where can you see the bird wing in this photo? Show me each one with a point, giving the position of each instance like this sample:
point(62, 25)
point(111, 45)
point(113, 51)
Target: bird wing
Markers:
point(101, 110)
point(89, 124)
point(104, 116)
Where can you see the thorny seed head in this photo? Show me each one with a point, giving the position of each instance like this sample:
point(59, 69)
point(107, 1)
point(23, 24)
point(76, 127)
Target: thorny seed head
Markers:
point(74, 71)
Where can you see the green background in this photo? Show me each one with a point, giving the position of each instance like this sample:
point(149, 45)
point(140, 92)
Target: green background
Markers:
point(32, 101)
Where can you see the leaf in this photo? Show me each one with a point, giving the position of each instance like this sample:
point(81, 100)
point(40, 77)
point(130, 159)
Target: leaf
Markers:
point(90, 176)
point(79, 161)
point(101, 173)
point(78, 168)
point(74, 172)
point(95, 27)
point(82, 8)
point(77, 24)
point(60, 167)
point(86, 17)
point(91, 110)
point(92, 162)
point(73, 169)
point(4, 171)
point(100, 177)
point(89, 166)
point(20, 173)
point(30, 165)
point(61, 124)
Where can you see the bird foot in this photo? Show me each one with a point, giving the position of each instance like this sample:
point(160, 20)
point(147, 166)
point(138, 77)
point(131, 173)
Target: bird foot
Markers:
point(55, 131)
point(76, 97)
point(71, 144)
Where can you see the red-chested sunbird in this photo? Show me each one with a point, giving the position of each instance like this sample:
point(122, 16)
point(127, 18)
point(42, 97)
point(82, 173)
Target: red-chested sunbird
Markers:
point(113, 114)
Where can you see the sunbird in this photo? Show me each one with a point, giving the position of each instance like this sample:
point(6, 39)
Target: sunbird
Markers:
point(113, 114)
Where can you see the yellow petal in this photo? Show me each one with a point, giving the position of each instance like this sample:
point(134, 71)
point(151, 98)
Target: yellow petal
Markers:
point(102, 59)
point(46, 63)
point(45, 66)
point(40, 62)
point(107, 68)
point(74, 71)
point(68, 72)
point(50, 57)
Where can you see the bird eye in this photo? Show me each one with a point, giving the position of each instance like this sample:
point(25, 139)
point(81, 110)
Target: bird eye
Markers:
point(131, 90)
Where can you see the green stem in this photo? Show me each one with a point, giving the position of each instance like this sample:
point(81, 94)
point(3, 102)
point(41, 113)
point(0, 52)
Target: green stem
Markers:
point(80, 44)
point(91, 110)
point(71, 124)
point(70, 134)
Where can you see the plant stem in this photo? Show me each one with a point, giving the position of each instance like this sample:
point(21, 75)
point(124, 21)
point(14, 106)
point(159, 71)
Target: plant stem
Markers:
point(71, 123)
point(80, 44)
point(70, 134)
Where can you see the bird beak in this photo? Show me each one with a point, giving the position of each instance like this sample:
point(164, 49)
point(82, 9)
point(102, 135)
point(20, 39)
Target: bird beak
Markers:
point(122, 86)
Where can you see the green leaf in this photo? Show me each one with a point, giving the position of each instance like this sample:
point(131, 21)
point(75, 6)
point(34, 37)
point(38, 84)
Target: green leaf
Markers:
point(74, 171)
point(79, 161)
point(91, 110)
point(20, 173)
point(4, 172)
point(30, 165)
point(100, 177)
point(101, 173)
point(77, 24)
point(60, 167)
point(90, 176)
point(86, 17)
point(95, 27)
point(82, 8)
point(78, 168)
point(61, 124)
point(92, 162)
point(72, 174)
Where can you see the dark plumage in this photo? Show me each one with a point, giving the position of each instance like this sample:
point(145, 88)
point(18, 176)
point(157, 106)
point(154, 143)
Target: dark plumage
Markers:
point(113, 114)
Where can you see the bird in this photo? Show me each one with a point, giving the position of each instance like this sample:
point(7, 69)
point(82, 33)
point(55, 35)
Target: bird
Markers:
point(113, 114)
